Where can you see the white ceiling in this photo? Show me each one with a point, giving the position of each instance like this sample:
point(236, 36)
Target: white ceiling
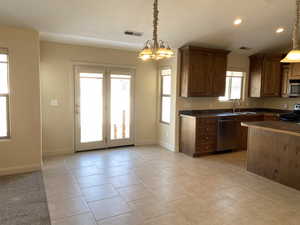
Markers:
point(206, 22)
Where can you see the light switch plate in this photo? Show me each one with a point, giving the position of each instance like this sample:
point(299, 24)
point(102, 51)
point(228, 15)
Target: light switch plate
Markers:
point(54, 102)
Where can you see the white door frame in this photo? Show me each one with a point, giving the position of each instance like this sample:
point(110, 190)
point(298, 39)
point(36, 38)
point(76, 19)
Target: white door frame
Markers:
point(91, 145)
point(129, 141)
point(107, 142)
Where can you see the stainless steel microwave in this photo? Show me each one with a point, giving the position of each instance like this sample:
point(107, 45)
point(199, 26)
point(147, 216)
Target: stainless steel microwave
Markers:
point(294, 88)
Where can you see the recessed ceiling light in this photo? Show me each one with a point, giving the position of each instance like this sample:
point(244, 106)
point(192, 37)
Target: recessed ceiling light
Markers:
point(279, 30)
point(237, 21)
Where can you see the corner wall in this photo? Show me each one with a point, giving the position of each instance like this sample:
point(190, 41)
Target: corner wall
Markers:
point(57, 61)
point(279, 103)
point(22, 152)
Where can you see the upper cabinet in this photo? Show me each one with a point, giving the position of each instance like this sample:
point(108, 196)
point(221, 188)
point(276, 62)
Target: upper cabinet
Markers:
point(294, 71)
point(285, 80)
point(203, 72)
point(265, 75)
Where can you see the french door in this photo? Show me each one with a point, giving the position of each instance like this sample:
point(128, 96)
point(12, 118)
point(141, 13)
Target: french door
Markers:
point(103, 107)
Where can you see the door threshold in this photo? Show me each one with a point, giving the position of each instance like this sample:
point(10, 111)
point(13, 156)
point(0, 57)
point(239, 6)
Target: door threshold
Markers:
point(103, 149)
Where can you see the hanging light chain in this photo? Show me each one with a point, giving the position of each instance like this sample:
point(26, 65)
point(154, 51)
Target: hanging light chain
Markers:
point(155, 23)
point(296, 44)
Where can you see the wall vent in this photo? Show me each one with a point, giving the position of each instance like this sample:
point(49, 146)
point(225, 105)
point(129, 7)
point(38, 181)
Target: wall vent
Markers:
point(133, 33)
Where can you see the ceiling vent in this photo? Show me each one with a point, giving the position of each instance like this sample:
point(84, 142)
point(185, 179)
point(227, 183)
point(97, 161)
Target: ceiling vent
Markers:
point(245, 48)
point(133, 33)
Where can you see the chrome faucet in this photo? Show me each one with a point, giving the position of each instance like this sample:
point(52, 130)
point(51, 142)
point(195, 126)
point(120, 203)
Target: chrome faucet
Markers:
point(233, 106)
point(235, 102)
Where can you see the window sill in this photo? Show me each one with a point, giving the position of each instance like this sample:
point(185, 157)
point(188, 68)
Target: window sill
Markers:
point(165, 123)
point(5, 139)
point(231, 100)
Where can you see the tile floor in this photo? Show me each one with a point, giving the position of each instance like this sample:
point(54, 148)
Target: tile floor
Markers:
point(152, 186)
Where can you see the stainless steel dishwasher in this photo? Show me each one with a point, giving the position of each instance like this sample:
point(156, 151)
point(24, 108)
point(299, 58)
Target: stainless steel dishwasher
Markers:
point(228, 137)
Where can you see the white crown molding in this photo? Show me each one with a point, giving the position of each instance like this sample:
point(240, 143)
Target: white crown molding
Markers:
point(88, 41)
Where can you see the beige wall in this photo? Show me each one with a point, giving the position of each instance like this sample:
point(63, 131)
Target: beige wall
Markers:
point(168, 134)
point(57, 61)
point(279, 103)
point(22, 152)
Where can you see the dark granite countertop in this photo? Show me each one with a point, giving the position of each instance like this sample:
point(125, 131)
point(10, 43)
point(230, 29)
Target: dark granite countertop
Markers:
point(228, 112)
point(275, 126)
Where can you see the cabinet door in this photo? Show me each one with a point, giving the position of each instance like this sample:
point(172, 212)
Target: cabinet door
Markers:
point(285, 81)
point(185, 69)
point(200, 80)
point(255, 77)
point(295, 71)
point(271, 83)
point(219, 79)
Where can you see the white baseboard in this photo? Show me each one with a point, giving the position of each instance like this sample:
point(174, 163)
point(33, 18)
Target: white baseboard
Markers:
point(167, 146)
point(57, 152)
point(145, 142)
point(20, 169)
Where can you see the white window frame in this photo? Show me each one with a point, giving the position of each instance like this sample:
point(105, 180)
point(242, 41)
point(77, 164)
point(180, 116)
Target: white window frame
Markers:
point(164, 95)
point(6, 95)
point(242, 87)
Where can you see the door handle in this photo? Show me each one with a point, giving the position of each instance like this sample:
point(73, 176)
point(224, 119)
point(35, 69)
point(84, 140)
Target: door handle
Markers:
point(77, 108)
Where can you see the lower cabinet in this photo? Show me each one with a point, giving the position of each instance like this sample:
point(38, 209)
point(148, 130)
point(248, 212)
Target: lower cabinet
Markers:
point(244, 130)
point(198, 136)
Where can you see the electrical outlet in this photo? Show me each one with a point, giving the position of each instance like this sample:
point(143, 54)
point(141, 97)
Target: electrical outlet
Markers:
point(285, 106)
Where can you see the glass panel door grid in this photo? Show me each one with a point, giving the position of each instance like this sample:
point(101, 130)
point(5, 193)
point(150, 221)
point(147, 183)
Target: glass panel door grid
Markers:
point(120, 96)
point(4, 97)
point(99, 126)
point(91, 107)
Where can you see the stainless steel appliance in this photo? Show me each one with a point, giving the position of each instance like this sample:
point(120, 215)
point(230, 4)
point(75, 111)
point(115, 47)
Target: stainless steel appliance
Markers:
point(294, 88)
point(293, 116)
point(227, 134)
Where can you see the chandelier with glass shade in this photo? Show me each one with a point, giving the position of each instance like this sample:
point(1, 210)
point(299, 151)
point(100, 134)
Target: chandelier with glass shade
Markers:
point(294, 55)
point(155, 49)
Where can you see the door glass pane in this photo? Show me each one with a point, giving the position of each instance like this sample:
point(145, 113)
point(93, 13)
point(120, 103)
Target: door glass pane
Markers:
point(120, 106)
point(3, 78)
point(226, 97)
point(166, 109)
point(3, 57)
point(91, 107)
point(236, 87)
point(3, 117)
point(166, 85)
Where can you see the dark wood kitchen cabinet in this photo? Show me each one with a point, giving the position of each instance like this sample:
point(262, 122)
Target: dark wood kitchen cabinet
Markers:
point(243, 131)
point(265, 75)
point(285, 81)
point(203, 72)
point(294, 71)
point(197, 135)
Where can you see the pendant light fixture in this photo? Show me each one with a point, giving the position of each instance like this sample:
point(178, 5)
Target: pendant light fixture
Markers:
point(294, 55)
point(155, 49)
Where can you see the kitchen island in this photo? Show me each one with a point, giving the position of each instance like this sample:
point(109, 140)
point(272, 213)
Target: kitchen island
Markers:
point(274, 151)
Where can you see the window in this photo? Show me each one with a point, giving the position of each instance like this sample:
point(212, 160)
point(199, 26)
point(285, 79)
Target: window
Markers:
point(4, 95)
point(165, 96)
point(234, 86)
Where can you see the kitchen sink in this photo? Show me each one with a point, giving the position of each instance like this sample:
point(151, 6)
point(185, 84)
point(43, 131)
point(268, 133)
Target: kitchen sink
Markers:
point(245, 113)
